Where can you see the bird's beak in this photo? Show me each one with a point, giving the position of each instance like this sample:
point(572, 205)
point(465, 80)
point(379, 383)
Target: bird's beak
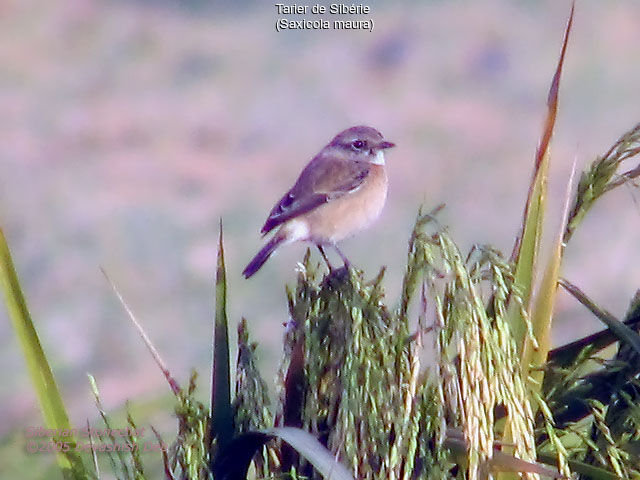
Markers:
point(386, 144)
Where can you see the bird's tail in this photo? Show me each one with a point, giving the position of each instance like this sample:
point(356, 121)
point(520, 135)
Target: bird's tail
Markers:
point(262, 256)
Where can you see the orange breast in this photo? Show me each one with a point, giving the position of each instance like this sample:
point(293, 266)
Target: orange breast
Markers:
point(347, 215)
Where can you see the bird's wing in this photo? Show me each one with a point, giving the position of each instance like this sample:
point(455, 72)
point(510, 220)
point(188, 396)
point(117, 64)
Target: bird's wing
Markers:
point(323, 180)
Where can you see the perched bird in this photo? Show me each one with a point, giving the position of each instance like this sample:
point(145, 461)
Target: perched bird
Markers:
point(340, 192)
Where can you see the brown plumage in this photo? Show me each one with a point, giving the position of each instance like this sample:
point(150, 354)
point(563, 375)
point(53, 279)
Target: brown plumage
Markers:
point(341, 191)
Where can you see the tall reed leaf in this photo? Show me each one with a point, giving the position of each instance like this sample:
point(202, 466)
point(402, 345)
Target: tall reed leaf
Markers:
point(51, 403)
point(618, 328)
point(542, 314)
point(527, 246)
point(221, 411)
point(234, 462)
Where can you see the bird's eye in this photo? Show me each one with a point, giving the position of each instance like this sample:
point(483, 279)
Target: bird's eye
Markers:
point(358, 144)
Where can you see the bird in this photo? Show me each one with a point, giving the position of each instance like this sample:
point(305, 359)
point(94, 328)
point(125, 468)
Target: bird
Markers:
point(341, 191)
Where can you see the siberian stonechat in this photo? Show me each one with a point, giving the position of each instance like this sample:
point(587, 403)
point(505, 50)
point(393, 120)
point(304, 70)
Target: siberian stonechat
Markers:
point(340, 192)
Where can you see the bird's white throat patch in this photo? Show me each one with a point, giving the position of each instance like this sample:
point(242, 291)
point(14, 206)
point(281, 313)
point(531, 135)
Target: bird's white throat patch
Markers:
point(379, 158)
point(296, 229)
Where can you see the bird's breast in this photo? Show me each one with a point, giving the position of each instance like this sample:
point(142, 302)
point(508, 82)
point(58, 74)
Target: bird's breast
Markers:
point(355, 211)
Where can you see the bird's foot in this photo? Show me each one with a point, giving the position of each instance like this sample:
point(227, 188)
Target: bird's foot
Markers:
point(345, 260)
point(337, 277)
point(324, 256)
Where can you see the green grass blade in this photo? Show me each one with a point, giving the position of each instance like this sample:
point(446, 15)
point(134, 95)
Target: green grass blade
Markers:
point(527, 246)
point(584, 469)
point(542, 312)
point(49, 398)
point(500, 461)
point(565, 355)
point(221, 411)
point(173, 383)
point(619, 329)
point(311, 449)
point(233, 463)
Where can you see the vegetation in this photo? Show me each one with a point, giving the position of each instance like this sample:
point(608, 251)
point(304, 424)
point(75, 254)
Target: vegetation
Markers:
point(356, 399)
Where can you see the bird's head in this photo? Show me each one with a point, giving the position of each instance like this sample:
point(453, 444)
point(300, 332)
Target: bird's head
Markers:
point(361, 144)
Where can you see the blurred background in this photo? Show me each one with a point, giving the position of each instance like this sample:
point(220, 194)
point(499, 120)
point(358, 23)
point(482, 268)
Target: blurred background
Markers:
point(129, 128)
